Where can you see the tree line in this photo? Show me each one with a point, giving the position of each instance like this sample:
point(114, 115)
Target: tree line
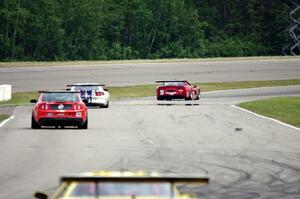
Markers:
point(138, 29)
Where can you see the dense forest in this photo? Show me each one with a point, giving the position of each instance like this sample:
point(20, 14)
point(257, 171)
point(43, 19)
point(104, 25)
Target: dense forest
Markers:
point(139, 29)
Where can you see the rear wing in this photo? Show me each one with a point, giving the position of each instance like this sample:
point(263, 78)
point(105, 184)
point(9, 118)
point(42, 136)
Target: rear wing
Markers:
point(70, 85)
point(171, 179)
point(63, 91)
point(162, 81)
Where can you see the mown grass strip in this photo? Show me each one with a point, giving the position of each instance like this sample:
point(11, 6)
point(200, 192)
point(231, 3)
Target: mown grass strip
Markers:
point(149, 90)
point(20, 98)
point(3, 117)
point(213, 86)
point(286, 109)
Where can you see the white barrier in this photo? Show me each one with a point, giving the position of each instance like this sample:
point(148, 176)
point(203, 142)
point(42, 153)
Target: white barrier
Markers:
point(5, 92)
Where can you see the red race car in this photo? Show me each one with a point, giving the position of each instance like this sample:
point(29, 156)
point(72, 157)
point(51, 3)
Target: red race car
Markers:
point(177, 90)
point(59, 108)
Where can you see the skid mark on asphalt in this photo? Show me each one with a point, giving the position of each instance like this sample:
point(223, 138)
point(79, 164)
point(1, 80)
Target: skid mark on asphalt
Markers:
point(211, 119)
point(242, 176)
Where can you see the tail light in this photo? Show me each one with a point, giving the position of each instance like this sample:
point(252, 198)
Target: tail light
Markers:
point(161, 92)
point(78, 107)
point(43, 106)
point(99, 93)
point(187, 93)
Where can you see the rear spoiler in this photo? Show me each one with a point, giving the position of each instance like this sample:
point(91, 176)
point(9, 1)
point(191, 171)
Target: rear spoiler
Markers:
point(63, 91)
point(70, 85)
point(162, 81)
point(169, 178)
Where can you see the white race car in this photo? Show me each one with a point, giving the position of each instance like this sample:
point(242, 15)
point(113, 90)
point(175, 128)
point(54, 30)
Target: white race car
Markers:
point(92, 94)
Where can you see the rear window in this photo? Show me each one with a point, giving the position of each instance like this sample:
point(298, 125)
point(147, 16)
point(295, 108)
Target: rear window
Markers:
point(61, 97)
point(136, 189)
point(173, 83)
point(152, 189)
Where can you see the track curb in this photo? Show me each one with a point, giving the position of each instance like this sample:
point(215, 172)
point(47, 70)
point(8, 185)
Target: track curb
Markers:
point(265, 117)
point(5, 121)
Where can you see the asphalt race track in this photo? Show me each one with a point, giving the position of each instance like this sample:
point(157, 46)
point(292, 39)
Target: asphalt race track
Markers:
point(245, 156)
point(56, 77)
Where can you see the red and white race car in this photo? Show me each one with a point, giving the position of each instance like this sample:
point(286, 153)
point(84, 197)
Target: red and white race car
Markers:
point(177, 90)
point(59, 108)
point(95, 94)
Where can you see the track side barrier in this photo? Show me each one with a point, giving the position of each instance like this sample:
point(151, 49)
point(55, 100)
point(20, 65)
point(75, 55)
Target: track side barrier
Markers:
point(5, 92)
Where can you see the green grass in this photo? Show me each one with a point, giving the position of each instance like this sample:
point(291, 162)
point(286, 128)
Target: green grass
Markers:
point(149, 90)
point(3, 117)
point(286, 109)
point(246, 84)
point(132, 91)
point(20, 98)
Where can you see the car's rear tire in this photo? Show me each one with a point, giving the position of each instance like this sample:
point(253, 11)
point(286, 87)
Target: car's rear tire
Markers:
point(34, 124)
point(198, 97)
point(106, 106)
point(84, 125)
point(190, 97)
point(159, 98)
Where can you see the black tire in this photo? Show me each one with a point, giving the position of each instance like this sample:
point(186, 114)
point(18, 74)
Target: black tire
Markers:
point(198, 97)
point(84, 125)
point(34, 124)
point(106, 106)
point(190, 97)
point(159, 98)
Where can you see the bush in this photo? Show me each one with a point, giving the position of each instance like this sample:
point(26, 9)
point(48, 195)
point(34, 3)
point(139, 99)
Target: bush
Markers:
point(235, 47)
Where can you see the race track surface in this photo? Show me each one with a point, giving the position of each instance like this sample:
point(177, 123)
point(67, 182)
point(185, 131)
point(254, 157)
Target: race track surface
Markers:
point(56, 77)
point(245, 156)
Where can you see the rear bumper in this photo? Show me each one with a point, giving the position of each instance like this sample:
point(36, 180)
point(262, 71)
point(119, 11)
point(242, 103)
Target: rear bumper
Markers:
point(100, 101)
point(162, 97)
point(61, 121)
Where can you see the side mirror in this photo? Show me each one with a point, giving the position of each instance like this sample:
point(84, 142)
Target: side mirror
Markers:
point(33, 101)
point(68, 89)
point(195, 86)
point(40, 195)
point(105, 89)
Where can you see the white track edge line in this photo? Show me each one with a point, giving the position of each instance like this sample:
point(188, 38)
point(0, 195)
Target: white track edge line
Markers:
point(269, 118)
point(5, 121)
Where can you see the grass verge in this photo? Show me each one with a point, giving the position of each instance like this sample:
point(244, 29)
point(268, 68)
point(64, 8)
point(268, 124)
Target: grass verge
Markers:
point(20, 98)
point(286, 109)
point(3, 117)
point(213, 86)
point(149, 90)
